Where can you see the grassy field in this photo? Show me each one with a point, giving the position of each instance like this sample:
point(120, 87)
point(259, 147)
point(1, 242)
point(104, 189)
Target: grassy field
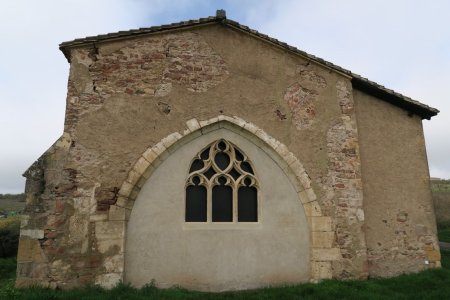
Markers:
point(10, 202)
point(444, 231)
point(430, 284)
point(440, 185)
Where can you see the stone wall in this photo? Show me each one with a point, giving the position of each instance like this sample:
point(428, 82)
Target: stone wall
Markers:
point(441, 203)
point(128, 96)
point(400, 224)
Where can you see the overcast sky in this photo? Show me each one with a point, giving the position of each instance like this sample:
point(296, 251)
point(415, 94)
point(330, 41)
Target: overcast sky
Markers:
point(404, 45)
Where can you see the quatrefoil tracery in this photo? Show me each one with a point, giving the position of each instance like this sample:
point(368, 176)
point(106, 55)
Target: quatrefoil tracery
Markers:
point(221, 160)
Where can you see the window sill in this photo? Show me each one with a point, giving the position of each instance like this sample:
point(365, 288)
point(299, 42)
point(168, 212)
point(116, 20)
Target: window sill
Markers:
point(221, 226)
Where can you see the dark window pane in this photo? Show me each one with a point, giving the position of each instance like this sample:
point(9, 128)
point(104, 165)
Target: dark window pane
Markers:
point(239, 156)
point(196, 180)
point(245, 166)
point(205, 154)
point(247, 204)
point(222, 146)
point(222, 204)
point(195, 203)
point(222, 160)
point(210, 173)
point(196, 165)
point(235, 174)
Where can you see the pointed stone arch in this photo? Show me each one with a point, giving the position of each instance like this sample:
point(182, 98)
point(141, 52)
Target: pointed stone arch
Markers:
point(321, 235)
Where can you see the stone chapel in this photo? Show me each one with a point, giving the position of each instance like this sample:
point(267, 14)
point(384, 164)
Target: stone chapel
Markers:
point(207, 155)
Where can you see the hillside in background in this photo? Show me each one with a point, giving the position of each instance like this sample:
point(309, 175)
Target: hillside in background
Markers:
point(440, 189)
point(11, 203)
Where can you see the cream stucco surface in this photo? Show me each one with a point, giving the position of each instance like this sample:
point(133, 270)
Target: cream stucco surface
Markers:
point(160, 246)
point(400, 222)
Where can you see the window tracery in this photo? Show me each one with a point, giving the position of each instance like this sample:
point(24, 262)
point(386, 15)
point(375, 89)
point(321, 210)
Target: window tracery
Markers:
point(221, 186)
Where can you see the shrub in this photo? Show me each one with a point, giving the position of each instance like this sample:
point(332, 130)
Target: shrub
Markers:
point(9, 236)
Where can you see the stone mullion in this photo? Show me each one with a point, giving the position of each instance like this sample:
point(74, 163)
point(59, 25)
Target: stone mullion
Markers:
point(235, 200)
point(209, 202)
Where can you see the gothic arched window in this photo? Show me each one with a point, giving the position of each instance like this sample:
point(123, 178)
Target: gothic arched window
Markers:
point(221, 186)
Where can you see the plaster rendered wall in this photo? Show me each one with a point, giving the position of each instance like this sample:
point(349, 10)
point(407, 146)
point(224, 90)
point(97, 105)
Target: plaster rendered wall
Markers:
point(125, 96)
point(160, 246)
point(400, 222)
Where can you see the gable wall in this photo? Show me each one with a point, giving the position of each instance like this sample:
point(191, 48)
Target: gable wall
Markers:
point(400, 223)
point(125, 96)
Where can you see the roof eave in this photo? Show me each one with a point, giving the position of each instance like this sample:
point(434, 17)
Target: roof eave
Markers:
point(412, 106)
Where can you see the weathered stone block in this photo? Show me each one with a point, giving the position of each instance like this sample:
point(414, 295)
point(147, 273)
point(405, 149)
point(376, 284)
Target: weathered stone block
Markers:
point(122, 201)
point(160, 149)
point(312, 209)
point(297, 167)
point(282, 150)
point(99, 217)
point(150, 155)
point(171, 139)
point(262, 135)
point(320, 223)
point(311, 195)
point(251, 127)
point(141, 165)
point(433, 255)
point(125, 189)
point(116, 213)
point(109, 280)
point(322, 270)
point(305, 180)
point(290, 159)
point(32, 233)
point(110, 246)
point(210, 127)
point(114, 263)
point(192, 124)
point(30, 251)
point(238, 121)
point(322, 239)
point(109, 230)
point(133, 176)
point(328, 254)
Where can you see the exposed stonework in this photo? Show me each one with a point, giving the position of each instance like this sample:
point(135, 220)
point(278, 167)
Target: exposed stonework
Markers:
point(180, 58)
point(301, 100)
point(342, 187)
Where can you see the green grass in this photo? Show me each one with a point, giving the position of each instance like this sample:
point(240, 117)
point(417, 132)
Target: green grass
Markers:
point(440, 186)
point(430, 284)
point(444, 231)
point(12, 204)
point(13, 196)
point(444, 235)
point(10, 224)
